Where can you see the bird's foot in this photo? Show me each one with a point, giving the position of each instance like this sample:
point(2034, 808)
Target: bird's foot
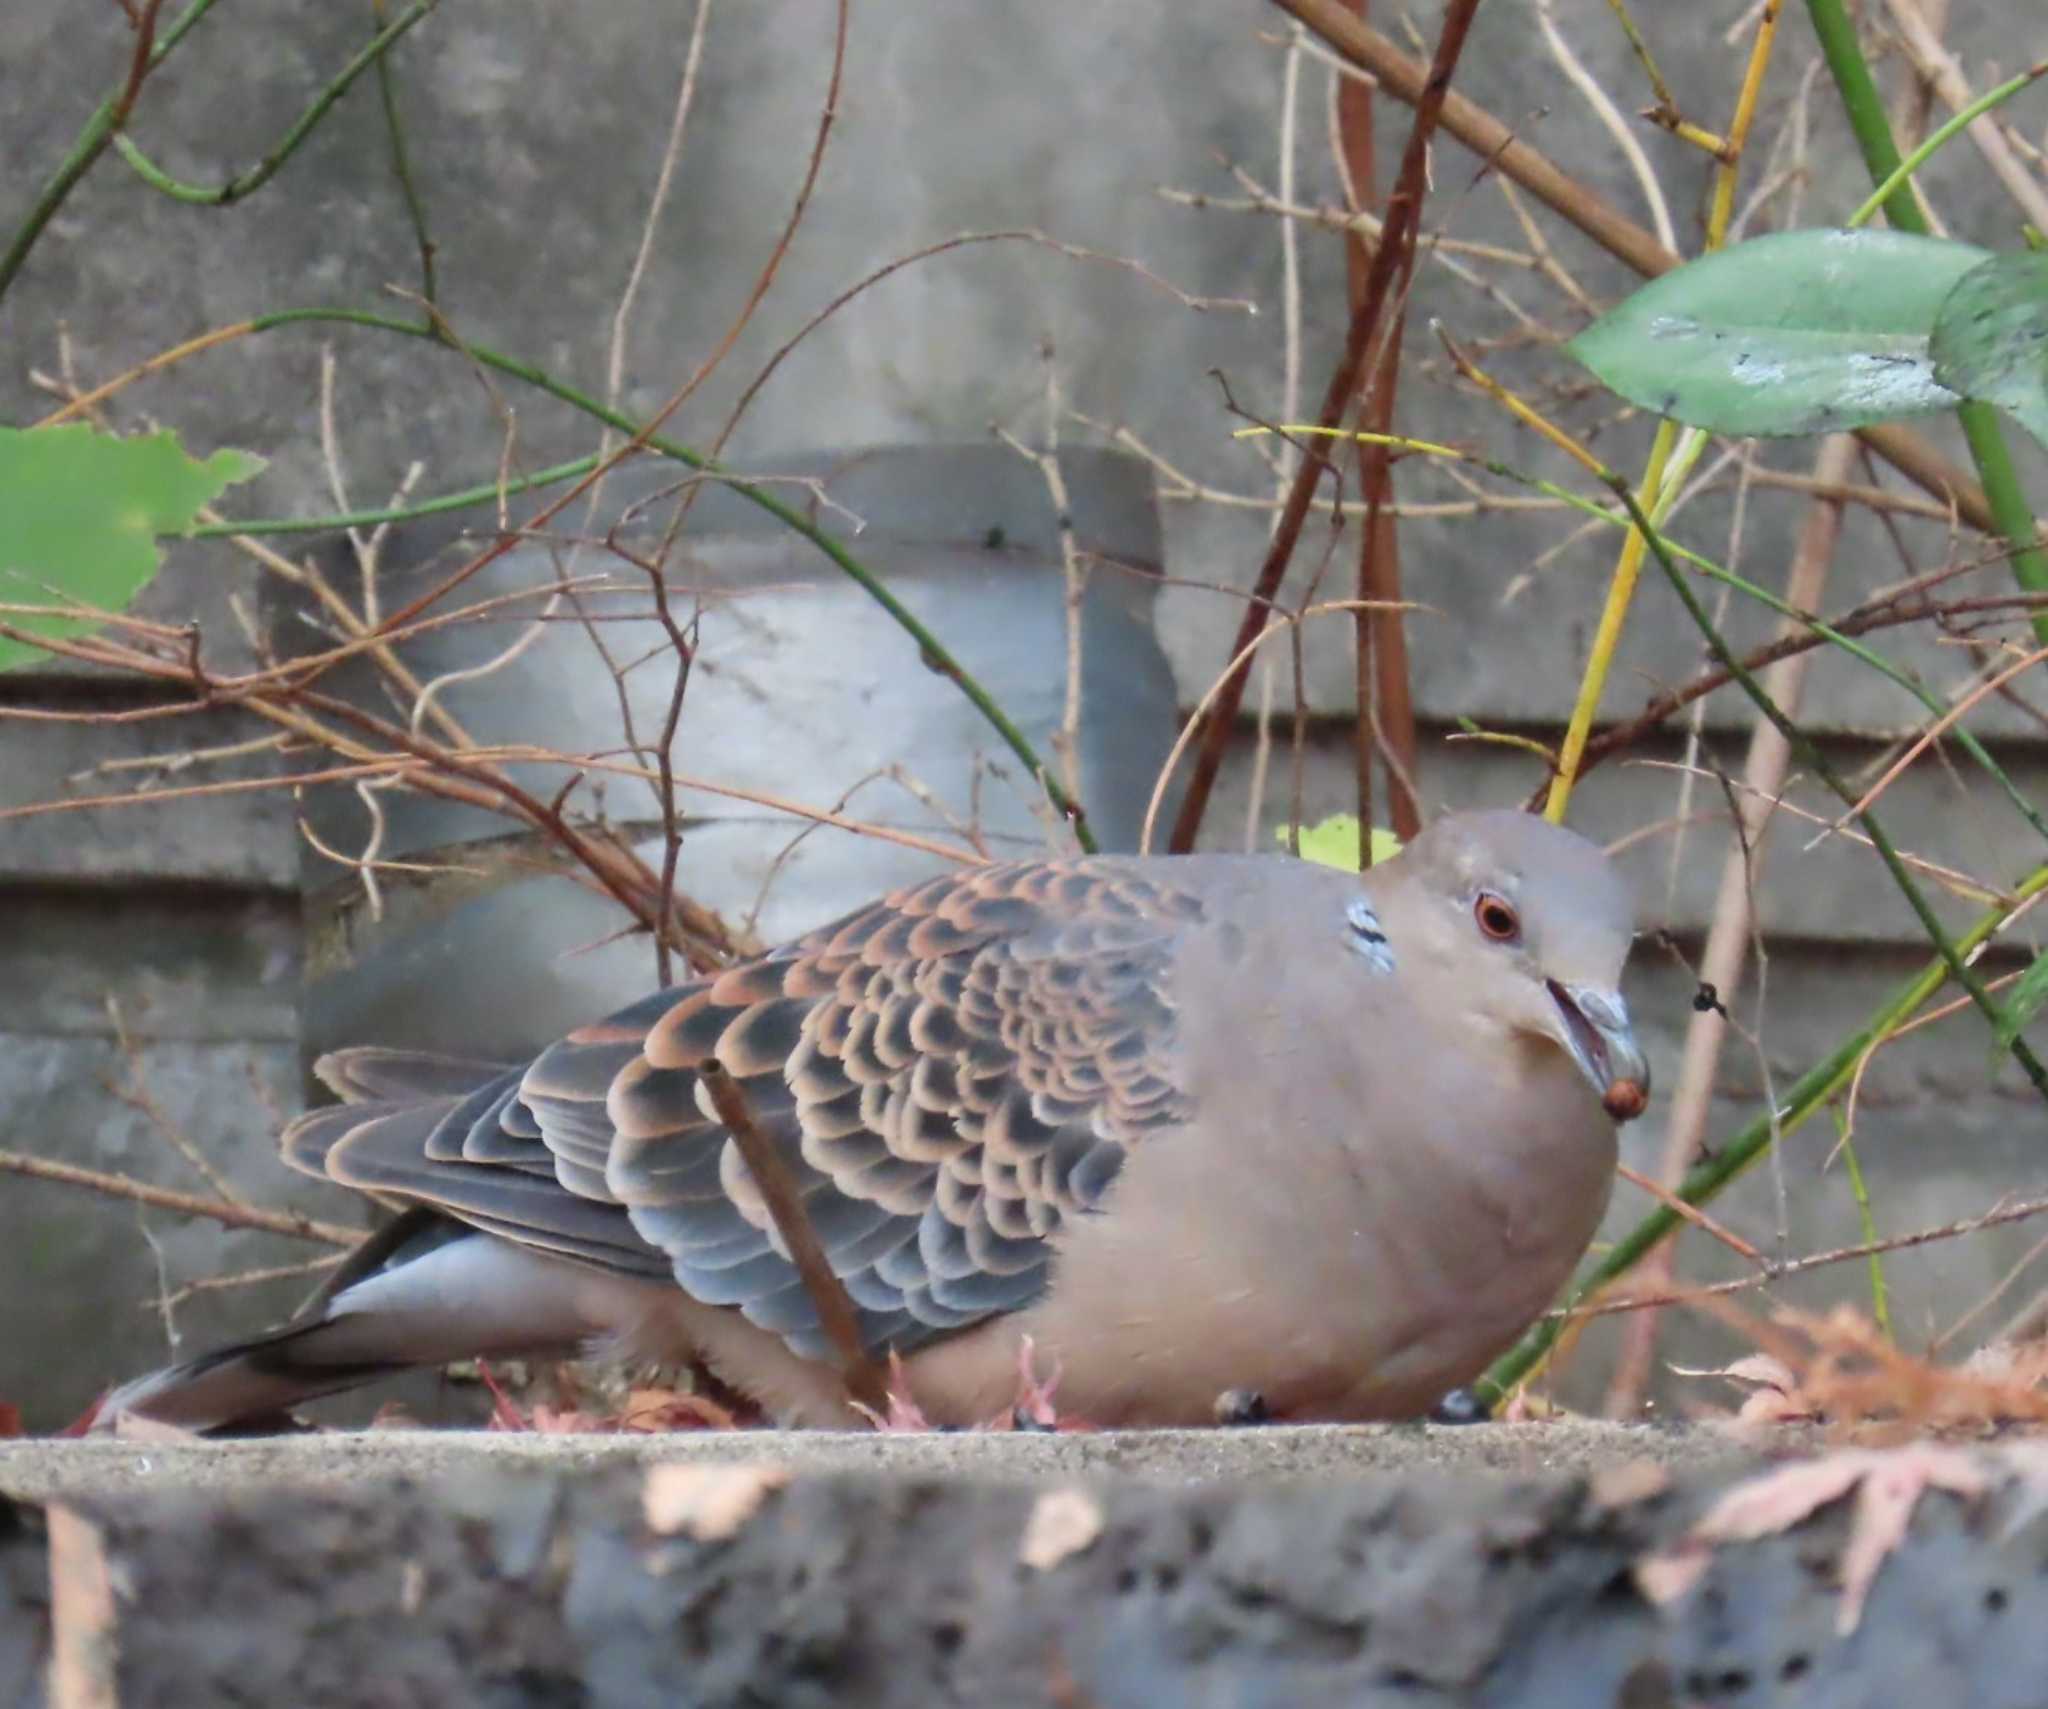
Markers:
point(900, 1414)
point(505, 1413)
point(1033, 1408)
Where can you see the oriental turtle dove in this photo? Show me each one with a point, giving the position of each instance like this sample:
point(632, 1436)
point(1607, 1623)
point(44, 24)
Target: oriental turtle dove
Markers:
point(1191, 1124)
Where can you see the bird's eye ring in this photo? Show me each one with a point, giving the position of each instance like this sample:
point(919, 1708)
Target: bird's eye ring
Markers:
point(1497, 917)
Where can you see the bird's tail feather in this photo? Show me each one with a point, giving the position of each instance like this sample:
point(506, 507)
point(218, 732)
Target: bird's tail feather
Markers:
point(256, 1379)
point(422, 1293)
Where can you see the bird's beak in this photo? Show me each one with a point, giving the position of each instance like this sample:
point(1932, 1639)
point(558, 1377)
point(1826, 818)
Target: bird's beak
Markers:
point(1603, 1044)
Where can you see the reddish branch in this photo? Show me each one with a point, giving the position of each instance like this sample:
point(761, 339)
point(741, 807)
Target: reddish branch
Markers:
point(1406, 80)
point(827, 1294)
point(1386, 706)
point(1390, 261)
point(188, 1204)
point(144, 22)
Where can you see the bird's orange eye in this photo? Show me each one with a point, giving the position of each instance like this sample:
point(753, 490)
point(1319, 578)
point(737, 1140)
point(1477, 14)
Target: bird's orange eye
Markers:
point(1497, 918)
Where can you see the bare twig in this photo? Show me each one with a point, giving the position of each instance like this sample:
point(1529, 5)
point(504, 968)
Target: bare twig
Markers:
point(1728, 938)
point(1408, 80)
point(288, 1223)
point(135, 1093)
point(246, 1279)
point(829, 1299)
point(1997, 1217)
point(1392, 260)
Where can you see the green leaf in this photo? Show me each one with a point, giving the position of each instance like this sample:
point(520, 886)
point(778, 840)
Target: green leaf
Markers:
point(1798, 332)
point(1991, 338)
point(80, 515)
point(2024, 1001)
point(1335, 842)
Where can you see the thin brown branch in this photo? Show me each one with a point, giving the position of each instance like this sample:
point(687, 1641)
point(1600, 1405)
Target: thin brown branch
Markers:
point(244, 1279)
point(1380, 681)
point(146, 797)
point(1997, 1217)
point(1689, 1213)
point(135, 1093)
point(828, 1296)
point(288, 1223)
point(144, 21)
point(664, 753)
point(1408, 80)
point(1390, 263)
point(963, 240)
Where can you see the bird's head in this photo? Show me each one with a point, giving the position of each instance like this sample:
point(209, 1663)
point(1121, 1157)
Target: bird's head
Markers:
point(1532, 924)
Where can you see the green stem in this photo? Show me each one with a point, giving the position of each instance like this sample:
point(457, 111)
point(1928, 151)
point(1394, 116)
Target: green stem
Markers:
point(1964, 737)
point(401, 166)
point(266, 169)
point(1814, 760)
point(1868, 655)
point(1938, 138)
point(1865, 108)
point(934, 653)
point(90, 145)
point(462, 500)
point(1808, 1094)
point(2008, 501)
point(1880, 1296)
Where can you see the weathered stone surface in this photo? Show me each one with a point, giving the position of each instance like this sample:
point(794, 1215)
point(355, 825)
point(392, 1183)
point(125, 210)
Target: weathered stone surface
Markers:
point(43, 1471)
point(622, 1587)
point(536, 185)
point(244, 839)
point(210, 966)
point(85, 1271)
point(24, 1603)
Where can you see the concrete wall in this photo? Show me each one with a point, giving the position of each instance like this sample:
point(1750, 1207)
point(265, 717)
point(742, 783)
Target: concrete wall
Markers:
point(536, 134)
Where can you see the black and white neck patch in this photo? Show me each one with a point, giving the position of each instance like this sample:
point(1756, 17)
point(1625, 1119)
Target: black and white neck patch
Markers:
point(1367, 936)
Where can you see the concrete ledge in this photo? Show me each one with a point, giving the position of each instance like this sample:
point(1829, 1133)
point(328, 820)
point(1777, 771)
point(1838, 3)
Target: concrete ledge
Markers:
point(1115, 1572)
point(44, 1470)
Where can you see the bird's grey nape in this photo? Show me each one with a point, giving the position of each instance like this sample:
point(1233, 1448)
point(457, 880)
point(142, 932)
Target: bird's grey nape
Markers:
point(1367, 936)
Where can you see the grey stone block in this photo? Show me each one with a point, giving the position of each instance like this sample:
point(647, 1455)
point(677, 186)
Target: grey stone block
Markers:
point(619, 1590)
point(83, 1269)
point(199, 966)
point(1836, 893)
point(237, 839)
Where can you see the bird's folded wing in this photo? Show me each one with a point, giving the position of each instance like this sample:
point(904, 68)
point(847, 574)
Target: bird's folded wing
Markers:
point(949, 1075)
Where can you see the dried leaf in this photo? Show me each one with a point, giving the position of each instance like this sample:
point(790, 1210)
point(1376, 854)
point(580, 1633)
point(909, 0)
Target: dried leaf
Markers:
point(1063, 1522)
point(1611, 1487)
point(652, 1410)
point(1665, 1578)
point(10, 1420)
point(545, 1420)
point(1757, 1369)
point(82, 1615)
point(1888, 1487)
point(1884, 1508)
point(708, 1503)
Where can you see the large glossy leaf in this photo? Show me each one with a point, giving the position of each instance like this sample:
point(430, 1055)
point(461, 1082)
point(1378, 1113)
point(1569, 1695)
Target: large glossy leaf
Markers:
point(1798, 332)
point(80, 515)
point(1991, 338)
